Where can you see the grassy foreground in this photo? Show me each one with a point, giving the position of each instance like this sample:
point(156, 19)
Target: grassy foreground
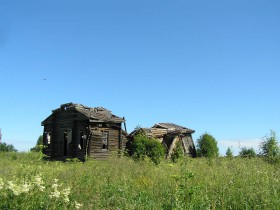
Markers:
point(26, 182)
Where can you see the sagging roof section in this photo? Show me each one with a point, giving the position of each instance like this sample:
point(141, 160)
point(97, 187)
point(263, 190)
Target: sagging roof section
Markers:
point(161, 129)
point(96, 114)
point(170, 127)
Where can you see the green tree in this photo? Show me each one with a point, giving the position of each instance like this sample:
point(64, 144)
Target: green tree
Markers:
point(142, 147)
point(207, 146)
point(7, 147)
point(269, 146)
point(229, 153)
point(247, 152)
point(39, 145)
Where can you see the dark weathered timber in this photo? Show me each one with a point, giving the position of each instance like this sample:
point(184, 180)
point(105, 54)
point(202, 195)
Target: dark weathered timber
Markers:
point(76, 131)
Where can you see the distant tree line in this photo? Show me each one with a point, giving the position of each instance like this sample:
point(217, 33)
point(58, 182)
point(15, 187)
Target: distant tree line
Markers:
point(269, 149)
point(39, 145)
point(207, 146)
point(4, 147)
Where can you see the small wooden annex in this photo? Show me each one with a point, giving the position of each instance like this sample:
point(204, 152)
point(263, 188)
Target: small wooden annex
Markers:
point(169, 134)
point(76, 131)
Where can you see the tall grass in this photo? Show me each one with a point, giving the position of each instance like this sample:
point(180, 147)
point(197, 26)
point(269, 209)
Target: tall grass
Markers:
point(121, 183)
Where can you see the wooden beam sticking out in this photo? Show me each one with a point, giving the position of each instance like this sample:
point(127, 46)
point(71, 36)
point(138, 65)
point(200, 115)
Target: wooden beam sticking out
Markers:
point(124, 124)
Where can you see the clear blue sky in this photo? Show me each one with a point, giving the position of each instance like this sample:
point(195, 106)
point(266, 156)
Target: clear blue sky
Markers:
point(212, 66)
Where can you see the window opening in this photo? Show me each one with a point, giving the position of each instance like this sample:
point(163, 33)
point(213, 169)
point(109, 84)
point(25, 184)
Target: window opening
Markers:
point(105, 138)
point(82, 139)
point(65, 141)
point(69, 135)
point(48, 138)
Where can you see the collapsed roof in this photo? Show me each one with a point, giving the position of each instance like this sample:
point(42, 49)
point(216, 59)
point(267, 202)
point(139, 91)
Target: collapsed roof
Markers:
point(162, 129)
point(96, 114)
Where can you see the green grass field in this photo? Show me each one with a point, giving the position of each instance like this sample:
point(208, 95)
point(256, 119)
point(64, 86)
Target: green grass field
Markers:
point(26, 182)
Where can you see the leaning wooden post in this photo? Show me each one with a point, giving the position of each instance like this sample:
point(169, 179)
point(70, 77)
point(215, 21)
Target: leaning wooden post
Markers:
point(87, 143)
point(124, 124)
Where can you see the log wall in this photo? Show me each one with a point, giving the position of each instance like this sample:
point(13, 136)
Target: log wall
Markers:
point(62, 122)
point(96, 144)
point(73, 123)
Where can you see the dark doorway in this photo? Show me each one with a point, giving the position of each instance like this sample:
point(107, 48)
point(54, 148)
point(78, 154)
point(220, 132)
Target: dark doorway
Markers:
point(65, 143)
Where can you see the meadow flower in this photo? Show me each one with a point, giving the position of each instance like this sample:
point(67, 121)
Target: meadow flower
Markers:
point(54, 186)
point(66, 199)
point(38, 180)
point(77, 205)
point(25, 188)
point(41, 188)
point(66, 193)
point(55, 194)
point(14, 188)
point(10, 185)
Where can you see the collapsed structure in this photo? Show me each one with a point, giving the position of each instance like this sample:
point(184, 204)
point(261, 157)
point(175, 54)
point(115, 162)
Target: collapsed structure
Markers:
point(169, 135)
point(77, 131)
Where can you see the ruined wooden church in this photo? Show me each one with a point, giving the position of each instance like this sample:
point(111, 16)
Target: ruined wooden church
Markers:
point(169, 135)
point(76, 131)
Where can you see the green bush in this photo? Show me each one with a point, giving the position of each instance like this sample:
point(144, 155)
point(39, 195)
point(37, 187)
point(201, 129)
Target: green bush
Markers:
point(269, 146)
point(39, 145)
point(207, 146)
point(143, 147)
point(247, 152)
point(229, 153)
point(7, 147)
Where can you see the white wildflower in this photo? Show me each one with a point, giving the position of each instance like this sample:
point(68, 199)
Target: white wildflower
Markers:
point(25, 188)
point(10, 185)
point(55, 194)
point(77, 205)
point(66, 199)
point(54, 186)
point(41, 188)
point(66, 193)
point(14, 188)
point(38, 180)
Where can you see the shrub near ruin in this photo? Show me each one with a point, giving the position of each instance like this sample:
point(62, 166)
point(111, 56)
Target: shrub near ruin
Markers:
point(143, 147)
